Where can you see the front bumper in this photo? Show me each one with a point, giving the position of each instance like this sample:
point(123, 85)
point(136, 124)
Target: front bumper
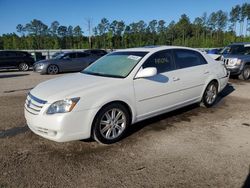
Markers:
point(39, 69)
point(62, 127)
point(234, 70)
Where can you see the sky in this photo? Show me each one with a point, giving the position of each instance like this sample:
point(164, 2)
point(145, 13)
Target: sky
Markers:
point(76, 12)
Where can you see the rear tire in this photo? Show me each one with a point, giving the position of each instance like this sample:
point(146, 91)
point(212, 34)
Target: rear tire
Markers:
point(245, 74)
point(111, 123)
point(210, 94)
point(23, 67)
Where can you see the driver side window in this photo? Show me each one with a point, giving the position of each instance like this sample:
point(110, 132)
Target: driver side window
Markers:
point(162, 61)
point(71, 56)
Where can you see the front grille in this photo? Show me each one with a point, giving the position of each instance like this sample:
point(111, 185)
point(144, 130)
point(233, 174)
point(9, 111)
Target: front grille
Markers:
point(33, 104)
point(226, 61)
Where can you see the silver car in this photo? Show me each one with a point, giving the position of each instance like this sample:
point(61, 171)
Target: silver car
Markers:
point(65, 62)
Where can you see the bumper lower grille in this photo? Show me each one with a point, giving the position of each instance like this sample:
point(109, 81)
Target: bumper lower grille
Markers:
point(33, 104)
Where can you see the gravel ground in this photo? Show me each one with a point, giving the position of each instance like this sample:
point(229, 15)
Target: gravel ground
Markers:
point(190, 147)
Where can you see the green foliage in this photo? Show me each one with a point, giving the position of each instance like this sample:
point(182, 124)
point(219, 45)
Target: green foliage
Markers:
point(215, 30)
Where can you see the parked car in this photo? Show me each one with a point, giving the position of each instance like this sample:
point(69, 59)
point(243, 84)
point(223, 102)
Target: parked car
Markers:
point(16, 59)
point(96, 52)
point(122, 88)
point(237, 59)
point(56, 54)
point(214, 51)
point(65, 62)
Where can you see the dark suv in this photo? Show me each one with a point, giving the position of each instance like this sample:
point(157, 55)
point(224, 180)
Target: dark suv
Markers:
point(96, 52)
point(16, 59)
point(237, 59)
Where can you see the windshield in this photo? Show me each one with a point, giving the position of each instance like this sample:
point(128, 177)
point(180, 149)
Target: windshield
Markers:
point(236, 50)
point(117, 64)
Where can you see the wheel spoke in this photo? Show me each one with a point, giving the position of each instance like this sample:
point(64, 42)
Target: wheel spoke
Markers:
point(105, 129)
point(108, 133)
point(120, 121)
point(118, 116)
point(114, 133)
point(108, 116)
point(118, 127)
point(113, 114)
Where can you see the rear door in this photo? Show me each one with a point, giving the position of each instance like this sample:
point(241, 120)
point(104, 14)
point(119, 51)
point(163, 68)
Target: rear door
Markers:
point(68, 62)
point(84, 60)
point(3, 59)
point(9, 59)
point(191, 74)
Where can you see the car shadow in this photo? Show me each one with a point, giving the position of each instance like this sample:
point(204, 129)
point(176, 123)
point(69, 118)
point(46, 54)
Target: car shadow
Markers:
point(225, 92)
point(13, 70)
point(140, 125)
point(12, 75)
point(247, 181)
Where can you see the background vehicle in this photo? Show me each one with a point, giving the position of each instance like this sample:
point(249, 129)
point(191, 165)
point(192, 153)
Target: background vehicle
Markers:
point(65, 62)
point(120, 89)
point(214, 51)
point(16, 59)
point(96, 52)
point(237, 59)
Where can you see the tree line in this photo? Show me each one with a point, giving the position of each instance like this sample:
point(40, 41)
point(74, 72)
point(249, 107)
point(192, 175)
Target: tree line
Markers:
point(215, 30)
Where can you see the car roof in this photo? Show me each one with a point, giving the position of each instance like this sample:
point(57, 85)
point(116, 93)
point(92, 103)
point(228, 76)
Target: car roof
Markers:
point(239, 43)
point(153, 49)
point(13, 51)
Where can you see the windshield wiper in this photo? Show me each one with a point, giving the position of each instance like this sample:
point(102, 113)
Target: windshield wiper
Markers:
point(100, 74)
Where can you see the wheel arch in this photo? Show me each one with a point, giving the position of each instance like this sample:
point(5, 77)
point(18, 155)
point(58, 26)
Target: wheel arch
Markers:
point(126, 105)
point(208, 82)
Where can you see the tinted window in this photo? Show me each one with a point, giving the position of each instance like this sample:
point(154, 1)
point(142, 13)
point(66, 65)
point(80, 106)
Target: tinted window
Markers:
point(188, 58)
point(79, 55)
point(237, 50)
point(10, 54)
point(70, 55)
point(96, 52)
point(162, 61)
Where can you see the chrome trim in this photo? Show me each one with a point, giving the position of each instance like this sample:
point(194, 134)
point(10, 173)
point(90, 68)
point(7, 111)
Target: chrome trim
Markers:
point(169, 93)
point(36, 99)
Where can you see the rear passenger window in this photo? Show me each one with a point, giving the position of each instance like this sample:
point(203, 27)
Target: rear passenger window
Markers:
point(162, 61)
point(188, 58)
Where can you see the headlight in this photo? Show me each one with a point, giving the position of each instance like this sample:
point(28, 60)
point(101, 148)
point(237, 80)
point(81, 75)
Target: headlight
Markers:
point(39, 65)
point(234, 61)
point(63, 106)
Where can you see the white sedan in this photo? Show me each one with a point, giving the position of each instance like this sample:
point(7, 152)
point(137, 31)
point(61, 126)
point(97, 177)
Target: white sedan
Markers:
point(120, 89)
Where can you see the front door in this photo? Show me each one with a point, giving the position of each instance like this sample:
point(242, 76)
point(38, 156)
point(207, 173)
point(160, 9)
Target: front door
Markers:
point(156, 93)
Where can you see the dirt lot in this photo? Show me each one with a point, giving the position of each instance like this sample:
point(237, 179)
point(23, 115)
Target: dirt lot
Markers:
point(191, 147)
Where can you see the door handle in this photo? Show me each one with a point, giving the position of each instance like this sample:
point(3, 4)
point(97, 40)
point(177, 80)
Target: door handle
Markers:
point(206, 72)
point(176, 79)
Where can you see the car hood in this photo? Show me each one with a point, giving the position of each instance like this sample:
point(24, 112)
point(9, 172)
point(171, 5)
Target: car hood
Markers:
point(236, 56)
point(47, 61)
point(73, 85)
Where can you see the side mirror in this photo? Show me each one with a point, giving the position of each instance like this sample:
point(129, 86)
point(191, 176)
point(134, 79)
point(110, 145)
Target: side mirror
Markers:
point(147, 72)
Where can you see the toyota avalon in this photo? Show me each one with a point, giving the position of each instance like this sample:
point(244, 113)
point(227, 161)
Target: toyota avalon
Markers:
point(120, 89)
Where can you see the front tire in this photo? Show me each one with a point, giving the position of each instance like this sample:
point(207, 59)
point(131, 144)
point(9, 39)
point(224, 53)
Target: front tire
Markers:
point(52, 69)
point(245, 74)
point(210, 94)
point(111, 123)
point(23, 67)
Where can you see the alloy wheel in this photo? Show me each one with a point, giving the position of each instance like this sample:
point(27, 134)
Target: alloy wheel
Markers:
point(211, 94)
point(112, 124)
point(52, 69)
point(23, 67)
